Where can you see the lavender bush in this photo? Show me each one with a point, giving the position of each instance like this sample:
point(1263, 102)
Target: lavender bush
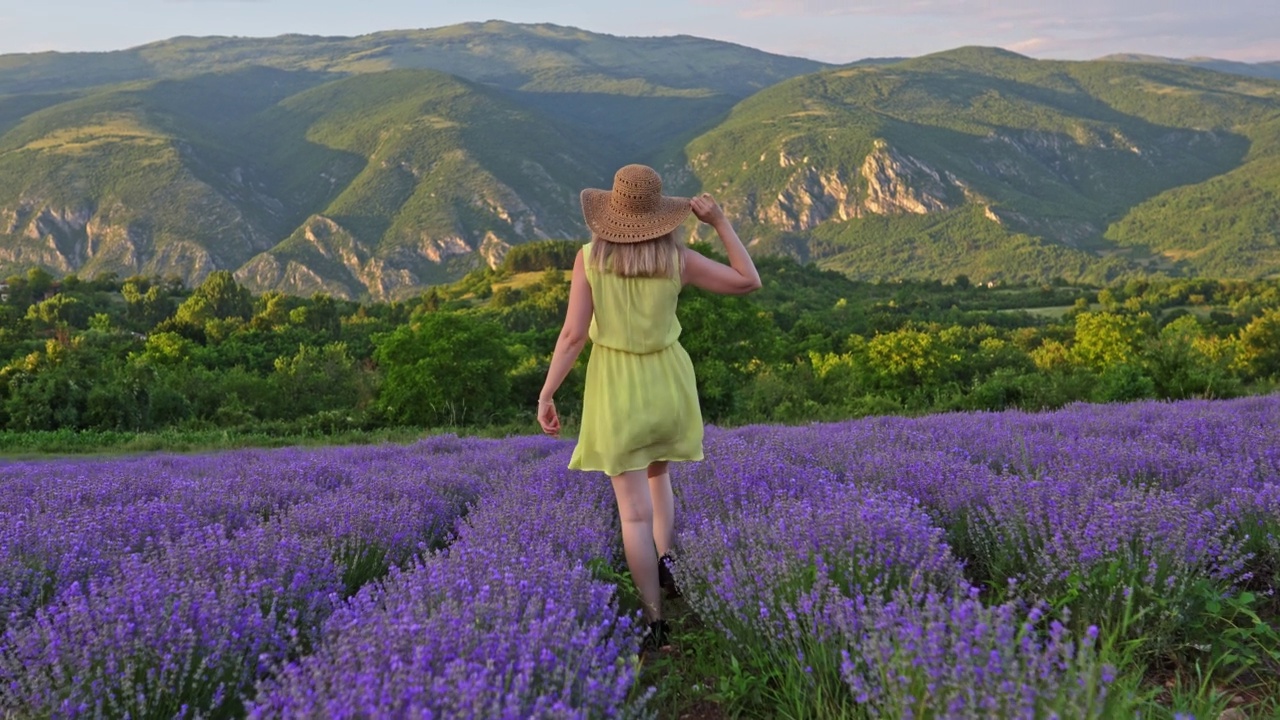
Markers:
point(508, 623)
point(955, 566)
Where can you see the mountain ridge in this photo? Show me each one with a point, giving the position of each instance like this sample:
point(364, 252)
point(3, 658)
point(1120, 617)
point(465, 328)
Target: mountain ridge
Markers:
point(1042, 150)
point(1269, 69)
point(384, 176)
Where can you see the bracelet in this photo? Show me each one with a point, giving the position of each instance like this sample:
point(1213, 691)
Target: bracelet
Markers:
point(546, 402)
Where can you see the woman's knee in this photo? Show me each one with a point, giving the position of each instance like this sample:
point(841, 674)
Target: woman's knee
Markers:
point(632, 492)
point(658, 469)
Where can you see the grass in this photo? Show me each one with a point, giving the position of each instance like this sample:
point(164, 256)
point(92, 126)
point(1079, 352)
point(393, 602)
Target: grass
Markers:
point(43, 444)
point(520, 281)
point(1053, 313)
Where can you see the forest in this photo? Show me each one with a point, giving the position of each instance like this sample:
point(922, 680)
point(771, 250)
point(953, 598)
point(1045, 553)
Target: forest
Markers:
point(146, 354)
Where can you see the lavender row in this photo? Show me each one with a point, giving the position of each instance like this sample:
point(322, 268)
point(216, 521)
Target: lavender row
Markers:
point(508, 623)
point(1166, 492)
point(1203, 449)
point(857, 604)
point(841, 551)
point(74, 522)
point(190, 625)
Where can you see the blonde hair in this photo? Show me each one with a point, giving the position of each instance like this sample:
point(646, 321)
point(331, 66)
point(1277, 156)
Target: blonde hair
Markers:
point(659, 257)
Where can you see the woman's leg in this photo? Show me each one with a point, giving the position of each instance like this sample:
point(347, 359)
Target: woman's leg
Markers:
point(635, 510)
point(664, 507)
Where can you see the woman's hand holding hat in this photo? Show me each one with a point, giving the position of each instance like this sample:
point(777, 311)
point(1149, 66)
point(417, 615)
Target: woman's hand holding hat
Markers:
point(705, 207)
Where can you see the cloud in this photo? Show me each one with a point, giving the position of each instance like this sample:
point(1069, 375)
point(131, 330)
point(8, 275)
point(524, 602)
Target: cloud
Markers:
point(1081, 28)
point(1030, 45)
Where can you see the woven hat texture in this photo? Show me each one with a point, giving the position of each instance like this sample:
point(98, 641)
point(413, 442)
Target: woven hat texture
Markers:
point(635, 209)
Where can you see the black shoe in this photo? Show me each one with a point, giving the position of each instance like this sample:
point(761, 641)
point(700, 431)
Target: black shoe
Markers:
point(665, 578)
point(658, 635)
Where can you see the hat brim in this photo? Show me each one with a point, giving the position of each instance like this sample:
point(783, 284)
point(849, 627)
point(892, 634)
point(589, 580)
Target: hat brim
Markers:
point(615, 227)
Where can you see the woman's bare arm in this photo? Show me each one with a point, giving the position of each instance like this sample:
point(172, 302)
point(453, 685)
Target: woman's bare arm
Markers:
point(573, 337)
point(739, 277)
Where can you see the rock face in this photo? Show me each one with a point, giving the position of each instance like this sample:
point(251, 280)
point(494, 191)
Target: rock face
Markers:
point(323, 256)
point(898, 184)
point(84, 238)
point(893, 181)
point(889, 182)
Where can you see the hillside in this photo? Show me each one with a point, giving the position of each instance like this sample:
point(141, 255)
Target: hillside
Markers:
point(428, 171)
point(365, 185)
point(367, 167)
point(142, 178)
point(349, 165)
point(983, 162)
point(638, 90)
point(513, 56)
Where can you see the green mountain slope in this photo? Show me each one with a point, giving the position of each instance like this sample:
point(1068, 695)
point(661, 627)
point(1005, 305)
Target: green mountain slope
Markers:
point(370, 166)
point(509, 55)
point(444, 170)
point(1228, 226)
point(141, 178)
point(639, 91)
point(369, 185)
point(987, 163)
point(196, 154)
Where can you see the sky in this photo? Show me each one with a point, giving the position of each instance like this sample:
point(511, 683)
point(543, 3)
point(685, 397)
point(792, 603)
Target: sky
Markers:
point(828, 30)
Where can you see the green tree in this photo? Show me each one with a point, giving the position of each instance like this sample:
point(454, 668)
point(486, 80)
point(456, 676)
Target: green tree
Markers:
point(909, 357)
point(219, 297)
point(723, 335)
point(273, 310)
point(146, 304)
point(1181, 366)
point(320, 314)
point(317, 379)
point(1105, 339)
point(165, 348)
point(39, 282)
point(447, 369)
point(1260, 344)
point(58, 311)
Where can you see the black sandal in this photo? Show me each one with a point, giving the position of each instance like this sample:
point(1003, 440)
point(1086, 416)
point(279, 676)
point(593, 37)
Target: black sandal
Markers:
point(658, 636)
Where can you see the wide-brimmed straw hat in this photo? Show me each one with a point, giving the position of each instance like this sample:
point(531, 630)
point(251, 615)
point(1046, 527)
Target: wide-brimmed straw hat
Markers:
point(635, 210)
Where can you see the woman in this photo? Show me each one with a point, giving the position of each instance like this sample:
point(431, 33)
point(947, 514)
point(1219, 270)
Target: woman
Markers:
point(640, 411)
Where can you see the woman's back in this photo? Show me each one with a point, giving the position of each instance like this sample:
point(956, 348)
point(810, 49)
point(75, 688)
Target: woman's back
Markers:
point(635, 315)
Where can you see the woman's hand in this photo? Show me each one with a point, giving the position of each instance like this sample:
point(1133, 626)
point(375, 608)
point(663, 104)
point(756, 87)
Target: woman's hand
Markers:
point(707, 210)
point(548, 418)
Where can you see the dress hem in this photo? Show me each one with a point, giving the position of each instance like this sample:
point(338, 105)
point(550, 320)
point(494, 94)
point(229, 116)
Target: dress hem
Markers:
point(698, 458)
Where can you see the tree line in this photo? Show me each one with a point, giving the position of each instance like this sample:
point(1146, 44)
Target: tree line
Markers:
point(146, 353)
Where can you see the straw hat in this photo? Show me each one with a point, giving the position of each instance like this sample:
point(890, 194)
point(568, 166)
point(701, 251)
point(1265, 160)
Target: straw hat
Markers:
point(635, 210)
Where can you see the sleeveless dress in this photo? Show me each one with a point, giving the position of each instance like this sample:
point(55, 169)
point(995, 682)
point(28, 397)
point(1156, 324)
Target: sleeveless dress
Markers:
point(641, 398)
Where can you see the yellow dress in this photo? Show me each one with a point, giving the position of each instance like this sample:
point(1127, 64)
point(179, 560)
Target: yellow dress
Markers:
point(641, 399)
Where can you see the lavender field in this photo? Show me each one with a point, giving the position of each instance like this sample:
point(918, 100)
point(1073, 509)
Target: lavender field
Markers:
point(1099, 561)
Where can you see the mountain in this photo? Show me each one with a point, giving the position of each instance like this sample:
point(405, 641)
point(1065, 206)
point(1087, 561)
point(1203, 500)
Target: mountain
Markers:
point(368, 167)
point(641, 89)
point(341, 164)
point(363, 185)
point(442, 169)
point(983, 162)
point(509, 55)
point(141, 178)
point(1268, 70)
